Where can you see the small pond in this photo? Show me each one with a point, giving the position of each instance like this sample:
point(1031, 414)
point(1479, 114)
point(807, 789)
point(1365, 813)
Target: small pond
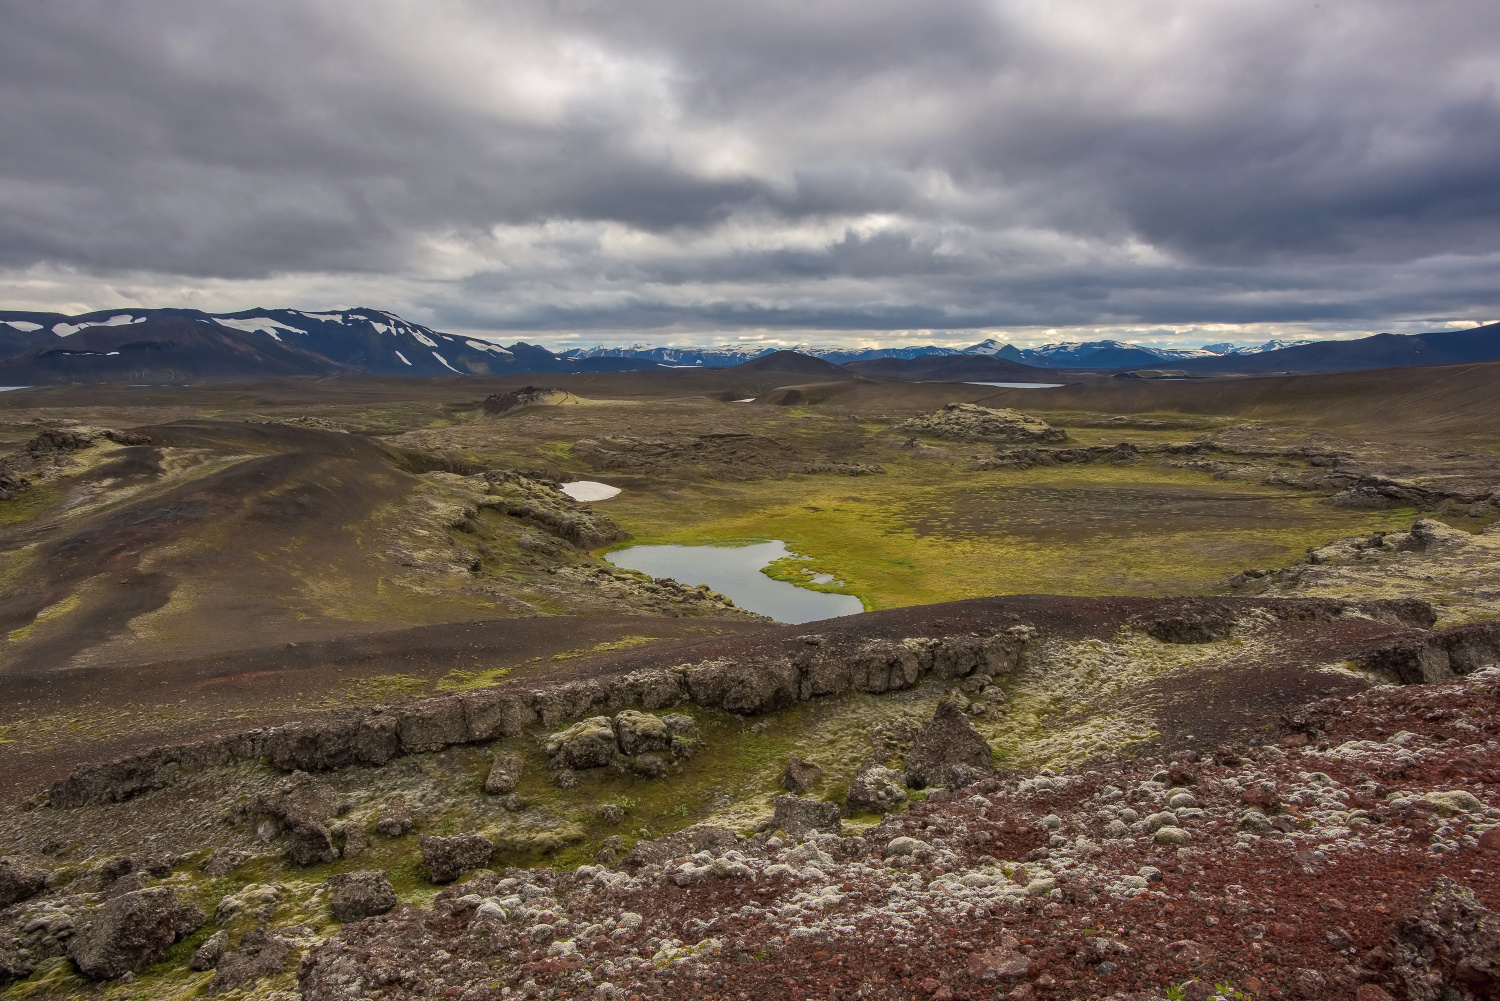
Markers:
point(735, 571)
point(1019, 385)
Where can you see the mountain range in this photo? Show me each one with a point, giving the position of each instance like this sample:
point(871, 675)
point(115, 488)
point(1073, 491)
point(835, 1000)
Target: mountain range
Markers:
point(175, 345)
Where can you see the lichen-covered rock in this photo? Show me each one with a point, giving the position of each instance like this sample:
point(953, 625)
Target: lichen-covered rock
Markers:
point(949, 751)
point(586, 744)
point(800, 817)
point(799, 775)
point(395, 817)
point(361, 894)
point(261, 954)
point(688, 841)
point(449, 858)
point(875, 789)
point(682, 730)
point(505, 773)
point(19, 880)
point(640, 733)
point(1450, 942)
point(753, 686)
point(131, 932)
point(971, 422)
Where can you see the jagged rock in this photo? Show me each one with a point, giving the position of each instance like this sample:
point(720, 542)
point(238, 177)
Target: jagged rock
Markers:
point(971, 422)
point(19, 880)
point(683, 731)
point(505, 773)
point(587, 744)
point(131, 932)
point(223, 861)
point(1450, 942)
point(395, 818)
point(800, 817)
point(261, 954)
point(360, 894)
point(875, 789)
point(449, 858)
point(611, 813)
point(650, 766)
point(431, 724)
point(639, 732)
point(799, 775)
point(207, 955)
point(948, 752)
point(303, 806)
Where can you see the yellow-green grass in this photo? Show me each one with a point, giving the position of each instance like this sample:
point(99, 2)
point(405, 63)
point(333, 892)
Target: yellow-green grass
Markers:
point(926, 532)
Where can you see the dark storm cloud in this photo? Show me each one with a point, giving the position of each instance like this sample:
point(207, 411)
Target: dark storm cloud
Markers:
point(872, 165)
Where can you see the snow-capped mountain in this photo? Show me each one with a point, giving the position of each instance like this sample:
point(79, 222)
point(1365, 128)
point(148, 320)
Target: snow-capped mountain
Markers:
point(372, 341)
point(726, 356)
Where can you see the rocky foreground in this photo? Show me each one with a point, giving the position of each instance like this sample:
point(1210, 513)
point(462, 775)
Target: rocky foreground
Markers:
point(1357, 858)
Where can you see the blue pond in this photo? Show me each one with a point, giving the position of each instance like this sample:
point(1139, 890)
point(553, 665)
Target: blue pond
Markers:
point(735, 571)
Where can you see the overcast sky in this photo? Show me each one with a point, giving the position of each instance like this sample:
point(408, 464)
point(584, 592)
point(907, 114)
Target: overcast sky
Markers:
point(686, 172)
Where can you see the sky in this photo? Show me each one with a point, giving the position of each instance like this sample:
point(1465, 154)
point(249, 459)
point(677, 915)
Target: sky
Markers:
point(672, 172)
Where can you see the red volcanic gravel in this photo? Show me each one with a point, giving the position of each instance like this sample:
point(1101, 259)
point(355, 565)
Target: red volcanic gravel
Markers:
point(1305, 867)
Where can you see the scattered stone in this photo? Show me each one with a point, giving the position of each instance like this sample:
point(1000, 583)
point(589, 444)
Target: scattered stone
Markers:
point(449, 858)
point(800, 775)
point(611, 814)
point(361, 894)
point(1173, 836)
point(302, 806)
point(210, 952)
point(131, 932)
point(19, 880)
point(688, 841)
point(800, 817)
point(907, 846)
point(505, 774)
point(948, 752)
point(875, 789)
point(261, 954)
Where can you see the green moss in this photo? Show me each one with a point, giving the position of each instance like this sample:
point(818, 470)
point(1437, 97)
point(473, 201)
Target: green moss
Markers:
point(462, 681)
point(623, 643)
point(54, 611)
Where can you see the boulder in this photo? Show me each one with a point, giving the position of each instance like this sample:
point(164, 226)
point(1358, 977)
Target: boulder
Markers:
point(1449, 939)
point(395, 817)
point(587, 744)
point(19, 880)
point(207, 955)
point(682, 730)
point(261, 954)
point(505, 773)
point(875, 789)
point(799, 775)
point(449, 858)
point(361, 894)
point(948, 752)
point(303, 806)
point(223, 861)
point(800, 817)
point(131, 932)
point(641, 733)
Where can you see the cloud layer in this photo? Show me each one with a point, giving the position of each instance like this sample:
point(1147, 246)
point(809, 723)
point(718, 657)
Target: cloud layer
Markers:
point(840, 168)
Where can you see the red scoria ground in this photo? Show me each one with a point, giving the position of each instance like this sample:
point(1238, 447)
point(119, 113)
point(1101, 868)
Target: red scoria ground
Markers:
point(1295, 865)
